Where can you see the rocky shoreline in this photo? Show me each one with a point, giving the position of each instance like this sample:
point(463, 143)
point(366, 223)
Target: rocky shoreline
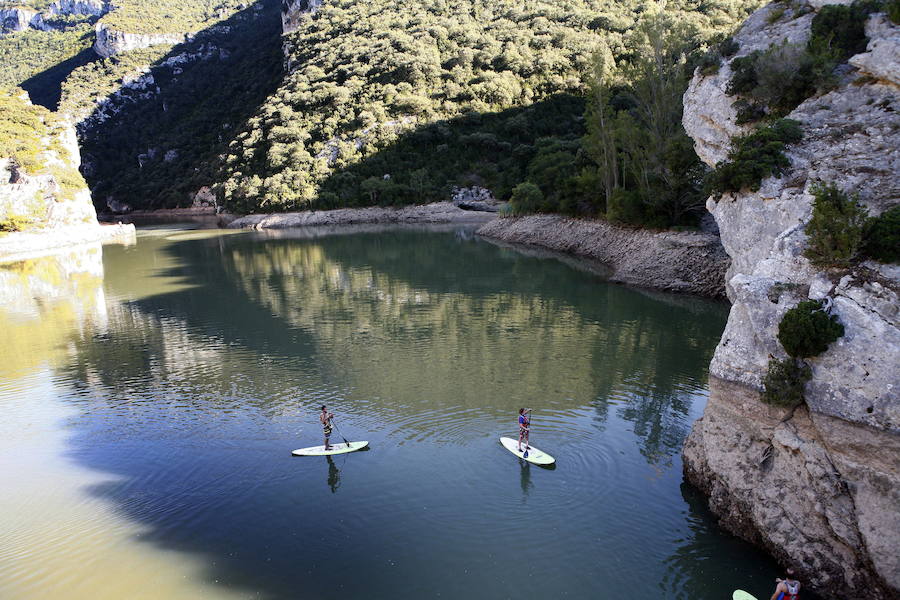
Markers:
point(437, 212)
point(32, 244)
point(674, 261)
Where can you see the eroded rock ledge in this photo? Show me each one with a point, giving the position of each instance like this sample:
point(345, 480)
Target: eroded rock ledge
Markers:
point(675, 261)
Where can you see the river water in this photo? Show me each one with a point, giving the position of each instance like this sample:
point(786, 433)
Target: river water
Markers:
point(151, 396)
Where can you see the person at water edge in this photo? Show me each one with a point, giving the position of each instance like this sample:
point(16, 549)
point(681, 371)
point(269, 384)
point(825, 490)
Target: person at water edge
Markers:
point(325, 418)
point(787, 588)
point(524, 426)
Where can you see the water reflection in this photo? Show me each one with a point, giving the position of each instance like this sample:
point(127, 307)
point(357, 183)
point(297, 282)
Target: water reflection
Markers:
point(334, 475)
point(525, 478)
point(211, 352)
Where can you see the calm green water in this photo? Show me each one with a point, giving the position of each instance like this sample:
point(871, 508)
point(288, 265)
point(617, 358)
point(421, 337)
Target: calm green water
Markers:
point(180, 373)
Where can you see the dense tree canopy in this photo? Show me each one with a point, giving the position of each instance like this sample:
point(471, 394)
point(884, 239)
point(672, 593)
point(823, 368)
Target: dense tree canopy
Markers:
point(367, 74)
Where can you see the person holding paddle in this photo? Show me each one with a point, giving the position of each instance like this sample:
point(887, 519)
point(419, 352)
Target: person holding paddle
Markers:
point(524, 427)
point(325, 418)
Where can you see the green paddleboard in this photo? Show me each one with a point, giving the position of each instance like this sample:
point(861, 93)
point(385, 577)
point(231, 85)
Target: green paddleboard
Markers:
point(742, 595)
point(534, 455)
point(335, 449)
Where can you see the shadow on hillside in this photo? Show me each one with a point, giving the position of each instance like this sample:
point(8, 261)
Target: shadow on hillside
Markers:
point(493, 150)
point(45, 88)
point(163, 142)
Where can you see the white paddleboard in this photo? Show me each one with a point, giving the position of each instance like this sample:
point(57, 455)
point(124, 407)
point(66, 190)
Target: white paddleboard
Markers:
point(335, 449)
point(742, 595)
point(534, 455)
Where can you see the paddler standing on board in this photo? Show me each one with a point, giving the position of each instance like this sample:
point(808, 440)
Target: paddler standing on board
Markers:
point(524, 427)
point(325, 417)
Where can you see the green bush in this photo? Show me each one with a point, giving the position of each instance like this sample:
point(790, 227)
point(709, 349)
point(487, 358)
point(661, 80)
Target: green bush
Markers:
point(748, 112)
point(842, 28)
point(754, 157)
point(892, 7)
point(784, 382)
point(709, 61)
point(526, 198)
point(784, 75)
point(743, 74)
point(882, 236)
point(835, 231)
point(807, 330)
point(16, 223)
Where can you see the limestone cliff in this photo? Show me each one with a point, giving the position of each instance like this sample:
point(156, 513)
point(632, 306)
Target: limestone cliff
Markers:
point(44, 201)
point(18, 18)
point(818, 486)
point(110, 41)
point(96, 8)
point(39, 179)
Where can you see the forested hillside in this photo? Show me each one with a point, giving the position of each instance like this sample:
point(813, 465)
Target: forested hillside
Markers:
point(385, 103)
point(390, 103)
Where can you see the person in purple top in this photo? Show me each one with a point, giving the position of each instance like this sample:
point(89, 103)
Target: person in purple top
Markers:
point(524, 427)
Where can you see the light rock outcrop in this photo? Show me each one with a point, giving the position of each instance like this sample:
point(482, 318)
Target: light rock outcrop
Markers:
point(292, 11)
point(475, 198)
point(110, 42)
point(79, 7)
point(819, 487)
point(437, 212)
point(56, 215)
point(19, 18)
point(674, 261)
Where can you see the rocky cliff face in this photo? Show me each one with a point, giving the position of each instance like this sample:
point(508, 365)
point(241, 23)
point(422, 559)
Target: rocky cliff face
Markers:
point(79, 7)
point(110, 42)
point(294, 10)
point(19, 18)
point(56, 196)
point(819, 486)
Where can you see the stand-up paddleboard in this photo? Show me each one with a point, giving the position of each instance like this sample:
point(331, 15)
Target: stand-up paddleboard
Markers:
point(534, 455)
point(335, 449)
point(742, 595)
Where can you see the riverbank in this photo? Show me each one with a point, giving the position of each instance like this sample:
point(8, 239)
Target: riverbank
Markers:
point(437, 212)
point(676, 261)
point(23, 245)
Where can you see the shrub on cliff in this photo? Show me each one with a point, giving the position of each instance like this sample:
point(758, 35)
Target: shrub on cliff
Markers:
point(784, 382)
point(753, 157)
point(807, 330)
point(842, 28)
point(882, 236)
point(893, 11)
point(784, 75)
point(835, 231)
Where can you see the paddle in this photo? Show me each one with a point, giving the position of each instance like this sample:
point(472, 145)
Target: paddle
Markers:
point(528, 434)
point(341, 433)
